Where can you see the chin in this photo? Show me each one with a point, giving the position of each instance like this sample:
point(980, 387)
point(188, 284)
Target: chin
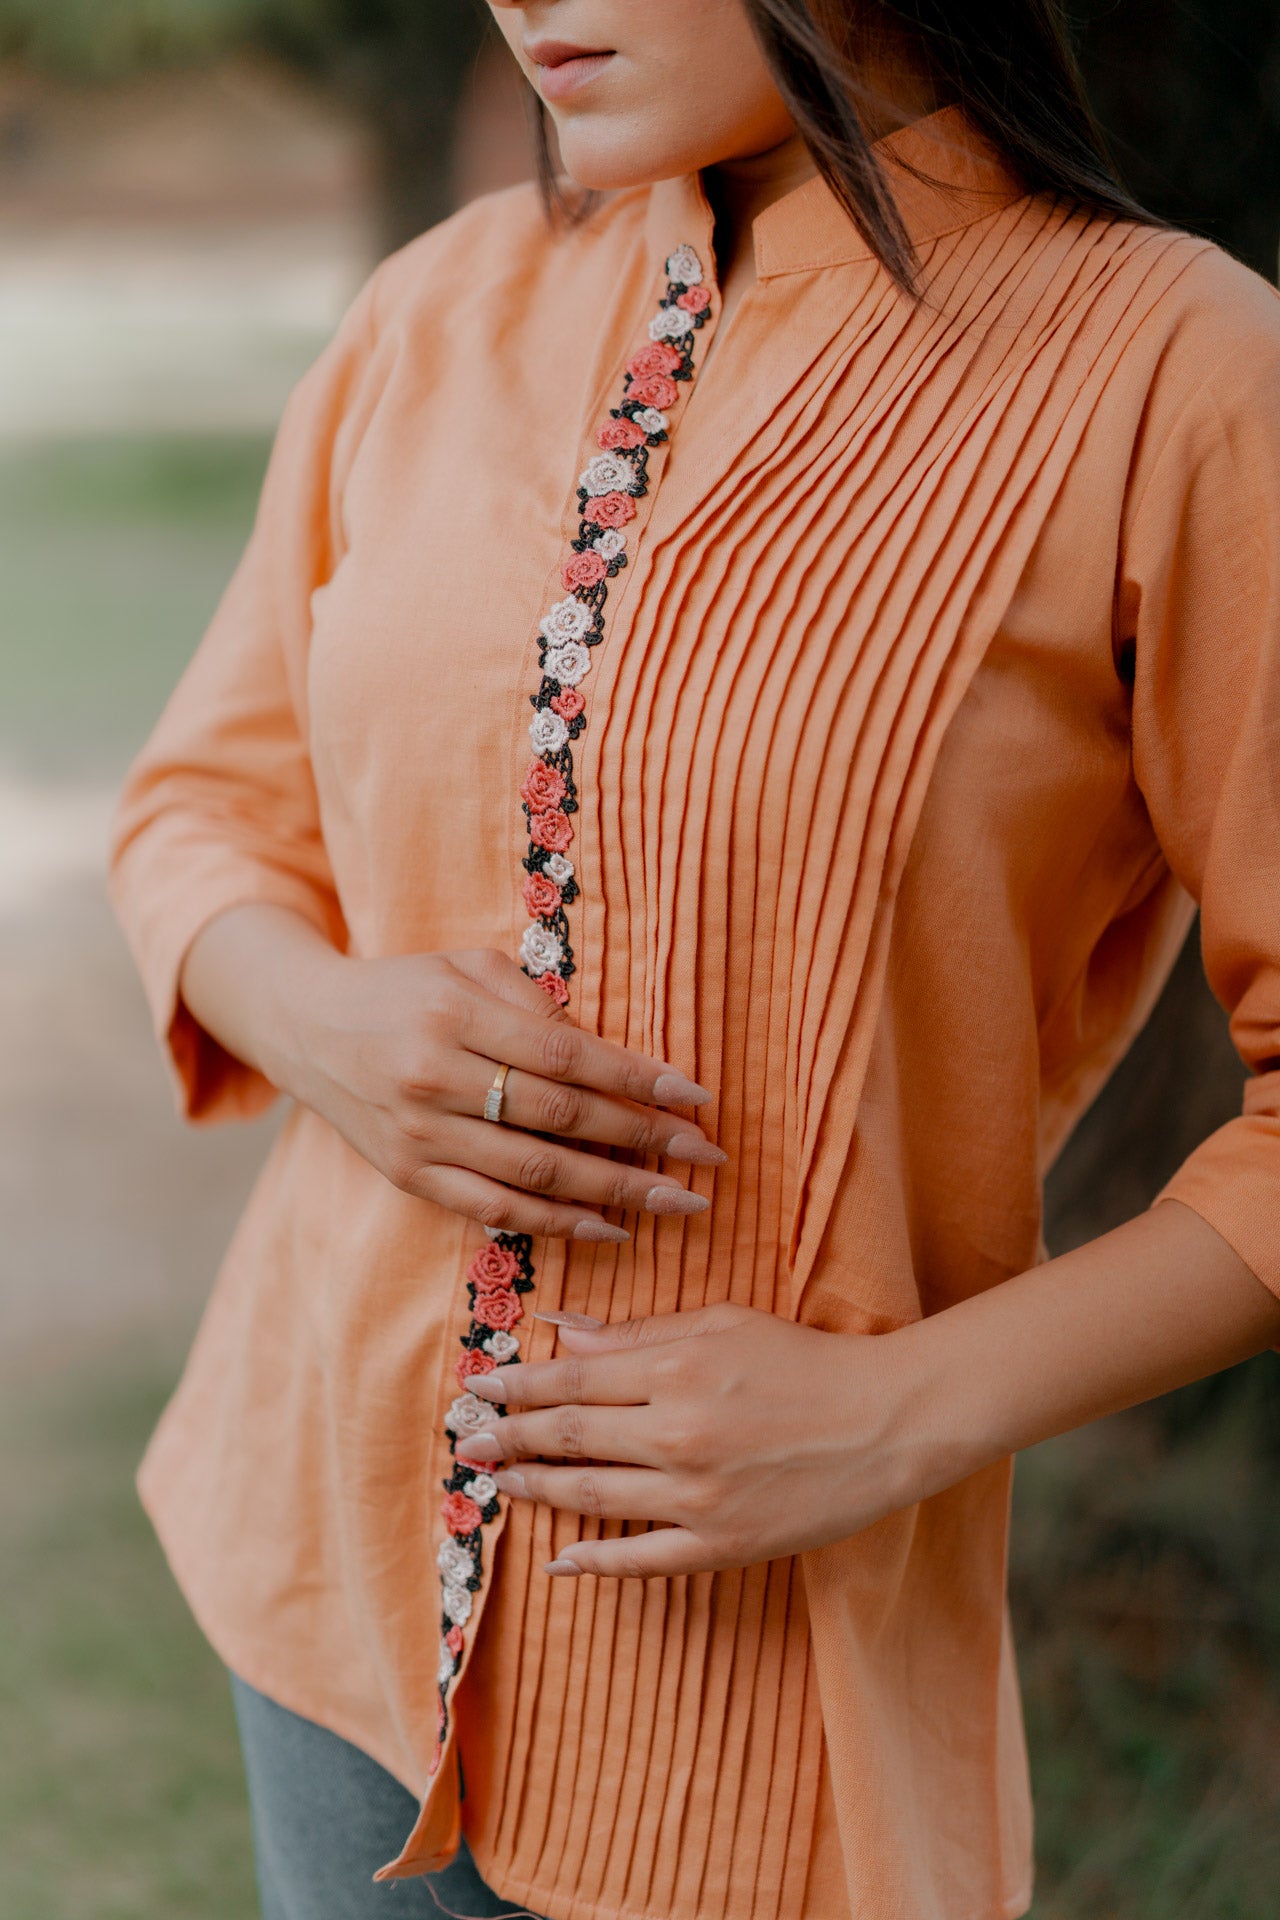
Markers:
point(604, 161)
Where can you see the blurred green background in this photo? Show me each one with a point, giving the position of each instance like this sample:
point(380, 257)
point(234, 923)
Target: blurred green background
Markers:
point(189, 192)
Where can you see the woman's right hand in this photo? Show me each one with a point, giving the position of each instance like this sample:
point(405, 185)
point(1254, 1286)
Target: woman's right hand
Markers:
point(398, 1055)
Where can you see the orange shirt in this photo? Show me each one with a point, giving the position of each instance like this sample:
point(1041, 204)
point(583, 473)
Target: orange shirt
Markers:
point(941, 673)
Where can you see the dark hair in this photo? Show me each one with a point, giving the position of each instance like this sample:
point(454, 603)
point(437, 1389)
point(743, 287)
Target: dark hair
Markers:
point(1007, 63)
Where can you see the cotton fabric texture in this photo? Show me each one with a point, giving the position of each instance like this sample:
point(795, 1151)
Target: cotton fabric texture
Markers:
point(941, 681)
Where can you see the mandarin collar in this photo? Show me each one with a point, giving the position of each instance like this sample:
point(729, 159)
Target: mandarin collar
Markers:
point(943, 175)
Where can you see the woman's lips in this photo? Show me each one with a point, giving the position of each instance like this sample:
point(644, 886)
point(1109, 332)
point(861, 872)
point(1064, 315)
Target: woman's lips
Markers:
point(562, 71)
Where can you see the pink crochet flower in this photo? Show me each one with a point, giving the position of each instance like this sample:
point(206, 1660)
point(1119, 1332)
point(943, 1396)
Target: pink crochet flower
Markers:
point(551, 830)
point(694, 299)
point(613, 509)
point(584, 570)
point(619, 436)
point(472, 1362)
point(543, 787)
point(500, 1310)
point(568, 703)
point(494, 1266)
point(460, 1514)
point(453, 1640)
point(541, 896)
point(654, 390)
point(661, 357)
point(557, 986)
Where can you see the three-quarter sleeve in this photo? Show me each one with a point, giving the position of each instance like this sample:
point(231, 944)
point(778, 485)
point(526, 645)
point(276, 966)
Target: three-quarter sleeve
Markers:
point(1199, 603)
point(220, 808)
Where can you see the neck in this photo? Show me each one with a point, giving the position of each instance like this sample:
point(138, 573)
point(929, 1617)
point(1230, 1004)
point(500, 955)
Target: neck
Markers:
point(739, 190)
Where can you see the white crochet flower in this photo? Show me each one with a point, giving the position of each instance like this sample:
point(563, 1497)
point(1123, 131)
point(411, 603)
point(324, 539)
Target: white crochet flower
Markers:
point(542, 952)
point(557, 868)
point(469, 1413)
point(685, 267)
point(609, 544)
point(568, 664)
point(503, 1346)
point(652, 419)
point(568, 620)
point(456, 1562)
point(482, 1489)
point(444, 1672)
point(548, 731)
point(670, 323)
point(458, 1602)
point(610, 473)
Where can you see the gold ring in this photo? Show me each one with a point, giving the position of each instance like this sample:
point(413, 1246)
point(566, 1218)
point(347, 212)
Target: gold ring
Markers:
point(496, 1095)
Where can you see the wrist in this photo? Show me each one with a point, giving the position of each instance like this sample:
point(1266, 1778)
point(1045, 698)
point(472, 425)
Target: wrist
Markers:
point(295, 1010)
point(946, 1407)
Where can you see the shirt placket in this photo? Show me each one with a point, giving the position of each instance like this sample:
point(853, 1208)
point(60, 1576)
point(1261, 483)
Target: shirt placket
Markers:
point(624, 460)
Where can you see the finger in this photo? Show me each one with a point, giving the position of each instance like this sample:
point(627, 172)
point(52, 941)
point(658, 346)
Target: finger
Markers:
point(503, 1209)
point(540, 1105)
point(661, 1555)
point(565, 1433)
point(655, 1330)
point(598, 1493)
point(611, 1380)
point(559, 1050)
point(496, 972)
point(559, 1171)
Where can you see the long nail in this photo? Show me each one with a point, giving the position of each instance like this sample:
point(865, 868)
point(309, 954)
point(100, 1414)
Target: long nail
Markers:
point(563, 1566)
point(511, 1480)
point(674, 1200)
point(599, 1230)
point(671, 1089)
point(579, 1322)
point(488, 1386)
point(479, 1446)
point(692, 1147)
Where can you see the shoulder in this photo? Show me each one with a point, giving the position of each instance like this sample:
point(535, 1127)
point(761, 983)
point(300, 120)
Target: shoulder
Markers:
point(1213, 337)
point(498, 249)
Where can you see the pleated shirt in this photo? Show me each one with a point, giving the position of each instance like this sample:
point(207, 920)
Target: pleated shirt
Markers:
point(848, 708)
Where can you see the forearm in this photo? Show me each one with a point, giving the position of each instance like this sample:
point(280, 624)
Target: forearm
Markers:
point(1159, 1302)
point(245, 976)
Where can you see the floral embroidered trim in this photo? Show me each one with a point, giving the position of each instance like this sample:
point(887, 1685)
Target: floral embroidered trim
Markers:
point(613, 480)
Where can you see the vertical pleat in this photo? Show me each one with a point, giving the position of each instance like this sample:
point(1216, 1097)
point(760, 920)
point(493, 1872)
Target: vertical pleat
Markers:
point(827, 548)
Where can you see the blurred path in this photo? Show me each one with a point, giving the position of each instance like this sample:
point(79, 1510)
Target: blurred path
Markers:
point(163, 329)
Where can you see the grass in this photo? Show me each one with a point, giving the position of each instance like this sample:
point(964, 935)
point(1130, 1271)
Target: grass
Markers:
point(113, 554)
point(121, 1796)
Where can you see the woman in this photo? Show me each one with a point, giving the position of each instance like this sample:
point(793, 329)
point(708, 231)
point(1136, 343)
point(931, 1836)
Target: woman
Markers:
point(738, 684)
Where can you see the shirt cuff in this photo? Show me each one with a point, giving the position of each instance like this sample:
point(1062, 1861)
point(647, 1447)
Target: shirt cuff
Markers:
point(210, 1084)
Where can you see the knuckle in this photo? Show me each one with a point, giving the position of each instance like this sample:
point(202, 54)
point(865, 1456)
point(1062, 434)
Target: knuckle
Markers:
point(590, 1497)
point(644, 1132)
point(497, 1210)
point(700, 1499)
point(630, 1565)
point(620, 1187)
point(560, 1109)
point(405, 1172)
point(680, 1442)
point(538, 1170)
point(573, 1381)
point(561, 1050)
point(567, 1427)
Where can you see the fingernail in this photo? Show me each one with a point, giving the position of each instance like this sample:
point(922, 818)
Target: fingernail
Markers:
point(671, 1089)
point(692, 1146)
point(583, 1322)
point(563, 1566)
point(511, 1480)
point(674, 1200)
point(479, 1446)
point(599, 1230)
point(489, 1386)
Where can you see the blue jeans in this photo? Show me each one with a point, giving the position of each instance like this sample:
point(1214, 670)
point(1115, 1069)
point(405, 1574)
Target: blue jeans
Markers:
point(326, 1817)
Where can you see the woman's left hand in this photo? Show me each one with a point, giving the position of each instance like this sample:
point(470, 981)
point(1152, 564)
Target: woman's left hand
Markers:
point(750, 1437)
